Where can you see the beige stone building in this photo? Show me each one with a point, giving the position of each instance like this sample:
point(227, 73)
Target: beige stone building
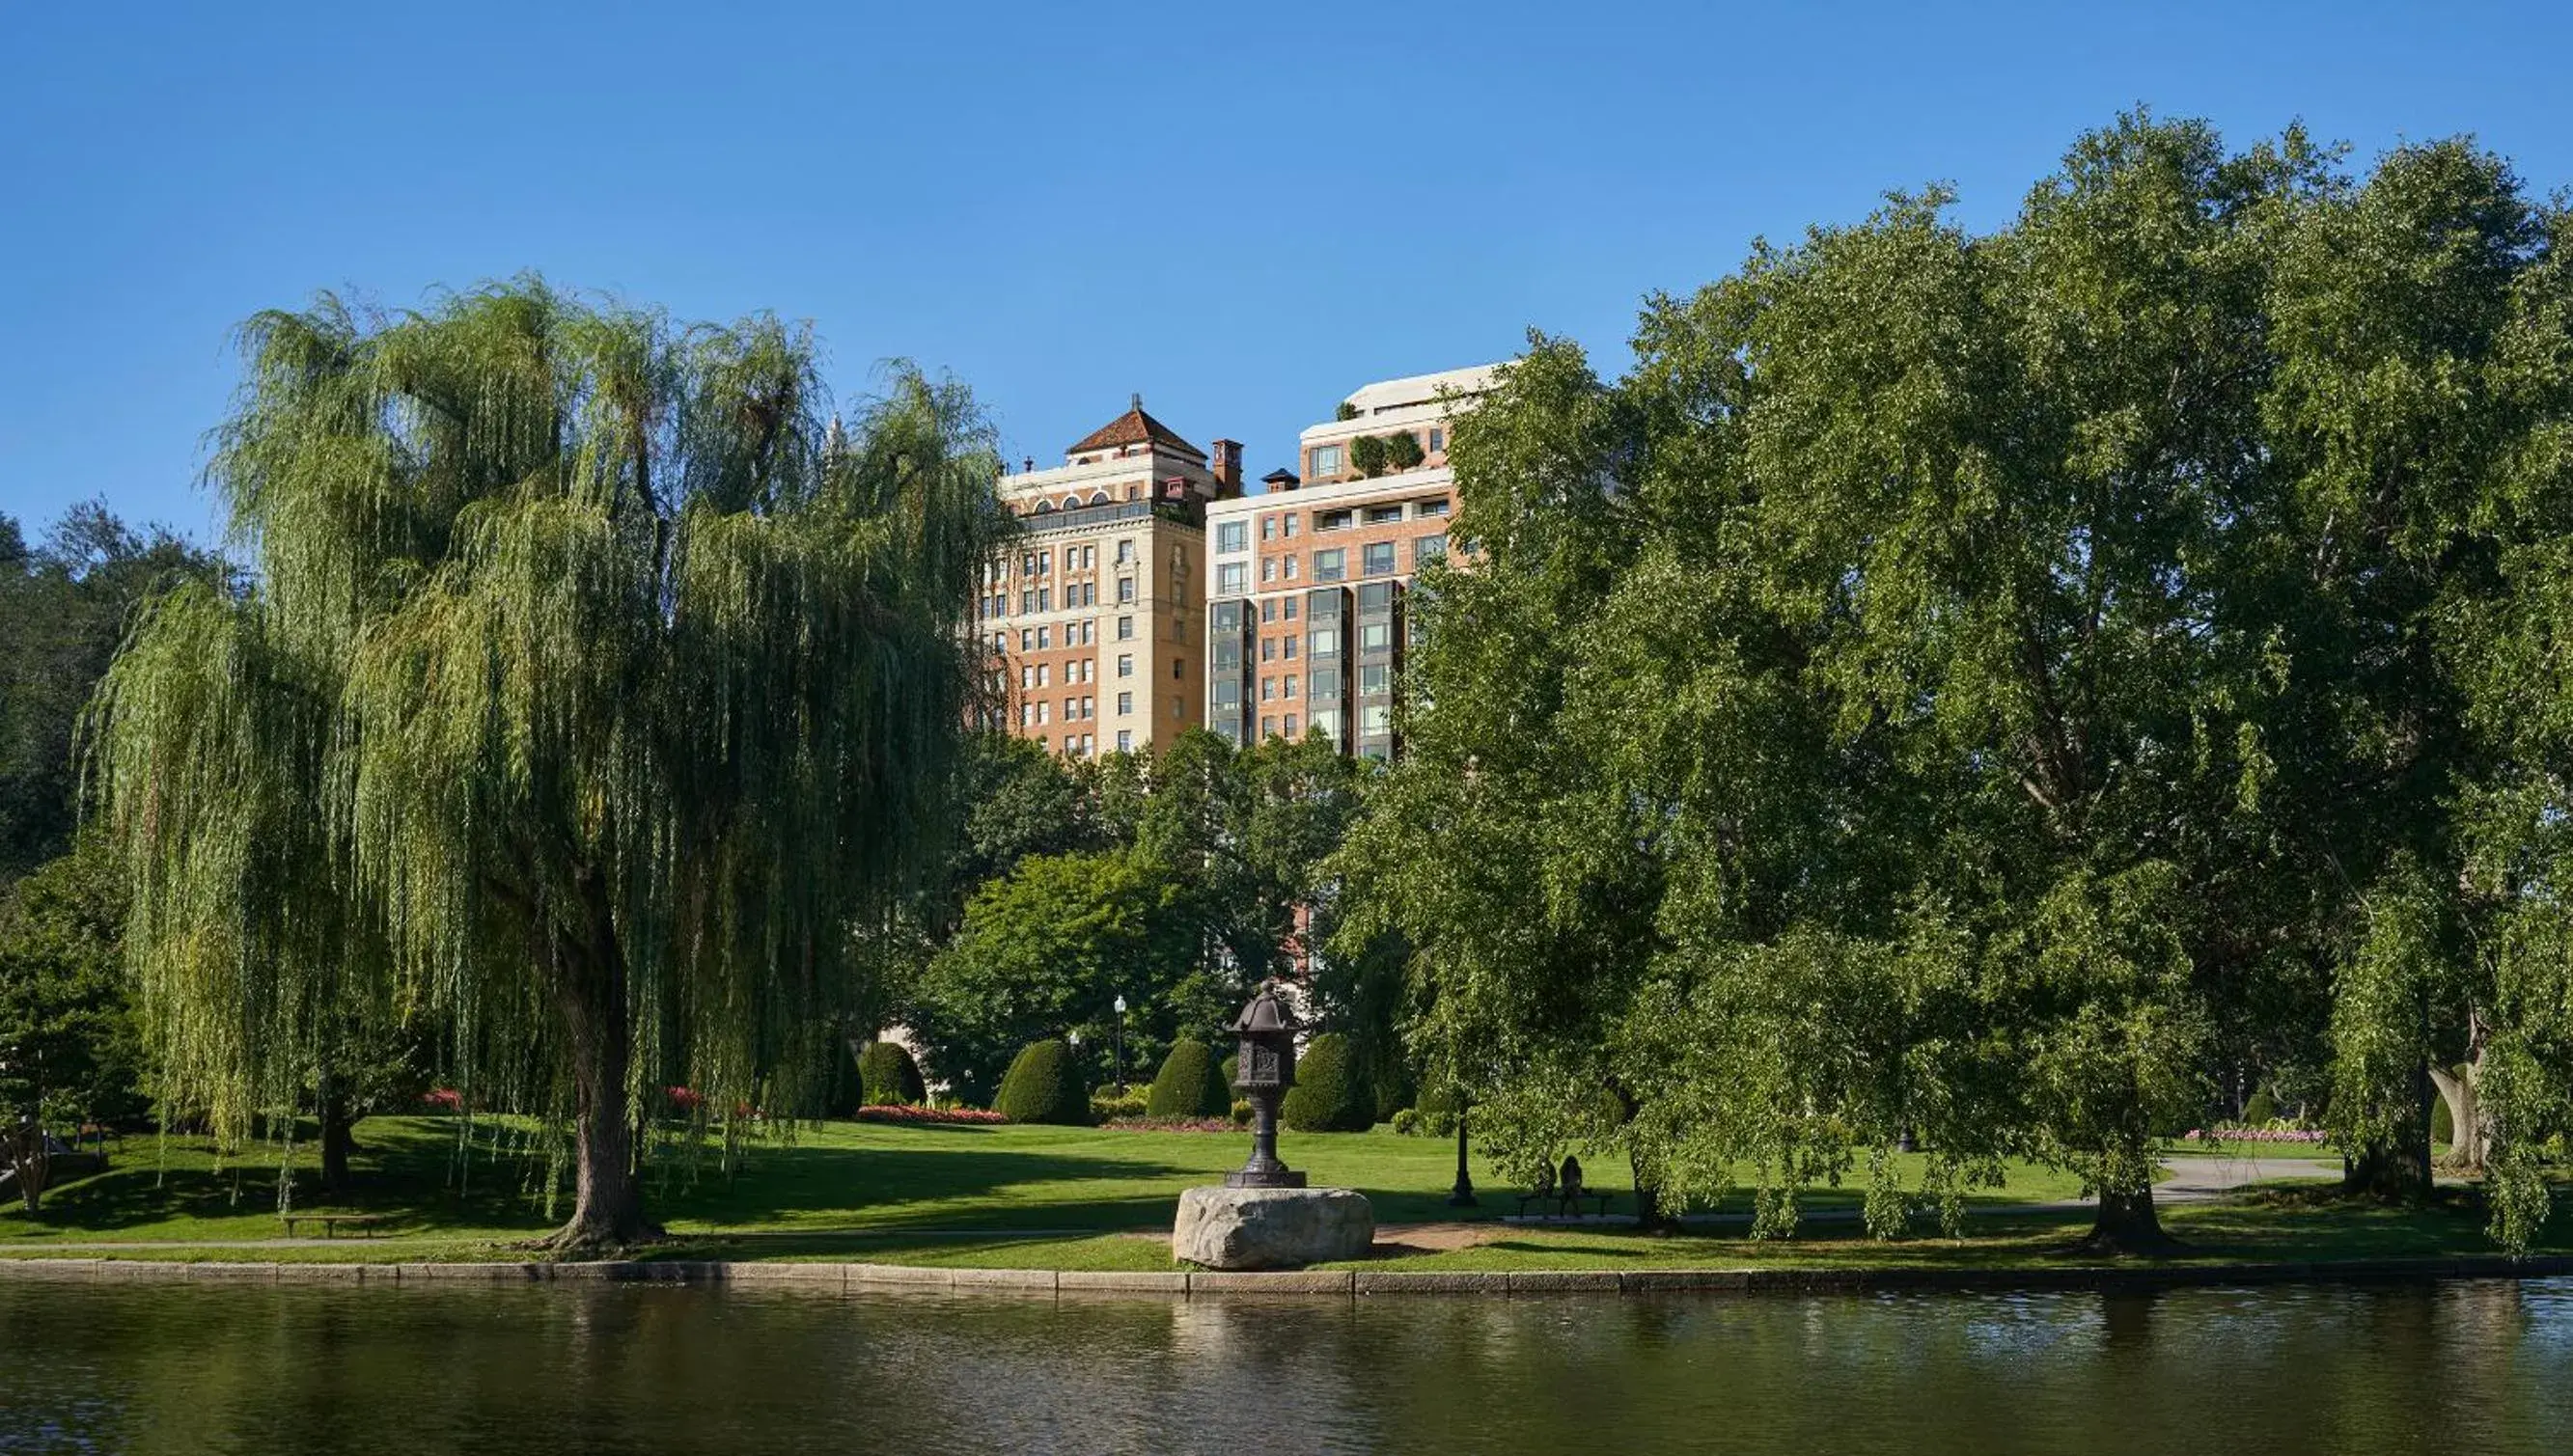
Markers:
point(1095, 614)
point(1306, 624)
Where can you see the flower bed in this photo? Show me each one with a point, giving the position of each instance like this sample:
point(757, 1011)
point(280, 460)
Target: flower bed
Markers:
point(1171, 1124)
point(2309, 1136)
point(928, 1115)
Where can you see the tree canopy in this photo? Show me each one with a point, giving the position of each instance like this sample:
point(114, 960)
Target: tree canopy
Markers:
point(593, 688)
point(1970, 688)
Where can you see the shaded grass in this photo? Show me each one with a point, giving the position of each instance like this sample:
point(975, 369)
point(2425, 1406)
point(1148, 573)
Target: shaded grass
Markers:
point(1070, 1198)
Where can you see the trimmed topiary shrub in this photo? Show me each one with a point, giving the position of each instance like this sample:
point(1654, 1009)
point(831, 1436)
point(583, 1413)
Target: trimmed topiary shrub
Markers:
point(1231, 1069)
point(1330, 1094)
point(1402, 450)
point(2260, 1108)
point(890, 1077)
point(1044, 1086)
point(1188, 1084)
point(1434, 1115)
point(1108, 1105)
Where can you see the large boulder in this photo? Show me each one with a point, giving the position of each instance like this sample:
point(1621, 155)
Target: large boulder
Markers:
point(1271, 1228)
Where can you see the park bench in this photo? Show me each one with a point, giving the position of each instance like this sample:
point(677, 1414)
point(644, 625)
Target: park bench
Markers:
point(330, 1223)
point(1564, 1192)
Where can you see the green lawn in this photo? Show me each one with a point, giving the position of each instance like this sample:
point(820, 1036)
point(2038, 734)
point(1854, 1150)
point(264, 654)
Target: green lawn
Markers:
point(1030, 1196)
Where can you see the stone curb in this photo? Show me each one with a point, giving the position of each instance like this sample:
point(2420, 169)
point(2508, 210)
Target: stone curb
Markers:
point(1342, 1284)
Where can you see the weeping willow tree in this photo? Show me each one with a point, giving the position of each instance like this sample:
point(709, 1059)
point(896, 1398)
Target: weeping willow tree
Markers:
point(590, 691)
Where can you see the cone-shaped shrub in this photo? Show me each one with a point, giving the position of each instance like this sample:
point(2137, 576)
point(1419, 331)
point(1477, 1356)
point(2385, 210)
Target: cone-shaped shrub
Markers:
point(890, 1076)
point(1190, 1085)
point(1328, 1096)
point(1042, 1086)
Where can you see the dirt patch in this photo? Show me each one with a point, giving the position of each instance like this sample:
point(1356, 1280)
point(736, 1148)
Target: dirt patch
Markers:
point(1394, 1240)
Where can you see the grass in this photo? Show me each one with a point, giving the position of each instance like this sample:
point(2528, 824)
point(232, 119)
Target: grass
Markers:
point(1048, 1197)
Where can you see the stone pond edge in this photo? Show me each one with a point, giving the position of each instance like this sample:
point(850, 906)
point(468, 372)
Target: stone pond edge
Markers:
point(1345, 1283)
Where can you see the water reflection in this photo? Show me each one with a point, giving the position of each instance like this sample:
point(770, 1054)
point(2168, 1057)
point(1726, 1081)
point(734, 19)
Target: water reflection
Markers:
point(155, 1369)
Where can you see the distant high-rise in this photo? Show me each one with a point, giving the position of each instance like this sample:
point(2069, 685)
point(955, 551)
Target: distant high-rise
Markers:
point(1305, 614)
point(1094, 616)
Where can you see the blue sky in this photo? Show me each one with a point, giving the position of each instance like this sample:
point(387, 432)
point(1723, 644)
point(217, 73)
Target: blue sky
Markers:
point(1243, 212)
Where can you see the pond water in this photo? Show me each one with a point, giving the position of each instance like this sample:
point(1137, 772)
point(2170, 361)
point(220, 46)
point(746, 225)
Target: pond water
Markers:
point(2483, 1367)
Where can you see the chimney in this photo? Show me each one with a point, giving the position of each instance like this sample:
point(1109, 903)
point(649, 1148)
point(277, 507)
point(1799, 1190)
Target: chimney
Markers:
point(1027, 464)
point(1227, 468)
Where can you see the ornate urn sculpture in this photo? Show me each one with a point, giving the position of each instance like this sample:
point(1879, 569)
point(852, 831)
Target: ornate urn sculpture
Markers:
point(1264, 1067)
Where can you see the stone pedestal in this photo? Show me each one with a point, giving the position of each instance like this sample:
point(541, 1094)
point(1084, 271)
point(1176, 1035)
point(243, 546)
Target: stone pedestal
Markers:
point(1271, 1228)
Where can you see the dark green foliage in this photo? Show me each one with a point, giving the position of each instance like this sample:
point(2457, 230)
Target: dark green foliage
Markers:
point(1190, 1085)
point(1435, 1112)
point(2443, 1123)
point(63, 607)
point(69, 1051)
point(1346, 410)
point(1330, 1093)
point(1044, 1086)
point(1367, 456)
point(2259, 1108)
point(1402, 450)
point(1231, 1068)
point(889, 1078)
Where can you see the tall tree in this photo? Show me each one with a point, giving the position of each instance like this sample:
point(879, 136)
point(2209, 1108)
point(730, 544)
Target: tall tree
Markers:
point(64, 605)
point(68, 1048)
point(588, 674)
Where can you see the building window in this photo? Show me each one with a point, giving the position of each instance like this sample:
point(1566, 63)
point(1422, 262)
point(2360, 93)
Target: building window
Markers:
point(1179, 709)
point(1427, 550)
point(1326, 642)
point(1179, 668)
point(1333, 520)
point(1045, 638)
point(1269, 611)
point(1027, 602)
point(1430, 507)
point(1268, 689)
point(1124, 629)
point(1290, 528)
point(1375, 718)
point(1125, 551)
point(1125, 665)
point(1331, 565)
point(1437, 441)
point(1231, 536)
point(1045, 714)
point(1289, 610)
point(1290, 646)
point(1125, 740)
point(1268, 650)
point(1267, 568)
point(1269, 528)
point(1124, 704)
point(1231, 578)
point(1268, 726)
point(1291, 568)
point(1375, 677)
point(1378, 558)
point(1326, 460)
point(1383, 514)
point(1290, 725)
point(1290, 686)
point(1375, 636)
point(1125, 591)
point(1045, 598)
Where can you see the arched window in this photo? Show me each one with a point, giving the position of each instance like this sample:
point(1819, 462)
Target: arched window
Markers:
point(1072, 502)
point(1099, 497)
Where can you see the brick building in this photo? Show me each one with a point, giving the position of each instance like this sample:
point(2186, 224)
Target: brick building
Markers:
point(1094, 616)
point(1305, 619)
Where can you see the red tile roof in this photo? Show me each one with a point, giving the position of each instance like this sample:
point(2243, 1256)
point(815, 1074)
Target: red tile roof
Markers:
point(1135, 428)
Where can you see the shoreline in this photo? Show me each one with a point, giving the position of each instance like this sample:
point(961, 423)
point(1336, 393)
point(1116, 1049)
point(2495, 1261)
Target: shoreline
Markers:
point(868, 1278)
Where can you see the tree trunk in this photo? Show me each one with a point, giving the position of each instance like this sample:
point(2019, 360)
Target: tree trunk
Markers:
point(31, 1160)
point(607, 1199)
point(2398, 1171)
point(2127, 1223)
point(339, 1139)
point(2468, 1133)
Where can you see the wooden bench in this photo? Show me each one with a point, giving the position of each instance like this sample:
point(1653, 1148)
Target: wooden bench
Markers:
point(330, 1223)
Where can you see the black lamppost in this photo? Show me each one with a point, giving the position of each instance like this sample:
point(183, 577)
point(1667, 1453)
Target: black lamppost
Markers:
point(1265, 1067)
point(1462, 1195)
point(1121, 1046)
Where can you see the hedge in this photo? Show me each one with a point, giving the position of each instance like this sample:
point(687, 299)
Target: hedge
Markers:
point(1044, 1086)
point(890, 1077)
point(1330, 1094)
point(1190, 1085)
